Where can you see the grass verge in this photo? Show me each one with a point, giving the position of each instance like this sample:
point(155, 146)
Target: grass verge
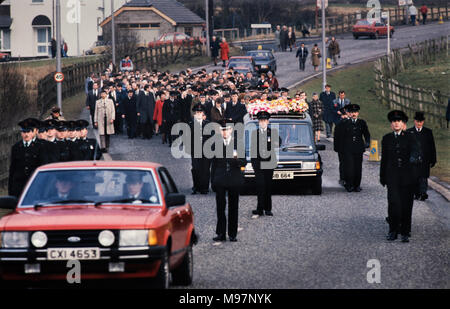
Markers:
point(358, 83)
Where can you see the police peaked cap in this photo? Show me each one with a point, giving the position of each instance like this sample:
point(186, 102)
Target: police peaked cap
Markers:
point(51, 123)
point(198, 108)
point(353, 108)
point(82, 124)
point(263, 115)
point(419, 116)
point(29, 123)
point(397, 115)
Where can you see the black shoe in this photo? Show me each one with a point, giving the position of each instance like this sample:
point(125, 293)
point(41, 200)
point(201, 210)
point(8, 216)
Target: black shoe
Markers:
point(342, 182)
point(258, 212)
point(387, 220)
point(423, 197)
point(268, 213)
point(349, 189)
point(358, 189)
point(392, 236)
point(233, 239)
point(194, 192)
point(405, 238)
point(220, 238)
point(204, 192)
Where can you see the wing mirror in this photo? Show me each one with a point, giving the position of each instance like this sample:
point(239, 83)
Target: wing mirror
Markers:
point(8, 202)
point(175, 199)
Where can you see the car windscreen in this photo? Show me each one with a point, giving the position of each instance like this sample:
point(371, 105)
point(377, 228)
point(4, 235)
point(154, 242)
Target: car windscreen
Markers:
point(290, 135)
point(91, 186)
point(259, 55)
point(363, 23)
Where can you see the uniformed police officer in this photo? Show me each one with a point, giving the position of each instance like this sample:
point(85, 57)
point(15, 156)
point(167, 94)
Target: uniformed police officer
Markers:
point(88, 147)
point(51, 146)
point(339, 146)
point(397, 173)
point(227, 179)
point(63, 147)
point(72, 140)
point(26, 156)
point(200, 164)
point(355, 139)
point(263, 153)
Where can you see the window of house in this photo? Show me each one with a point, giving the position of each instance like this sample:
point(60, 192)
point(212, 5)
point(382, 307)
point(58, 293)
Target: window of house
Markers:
point(37, 1)
point(5, 39)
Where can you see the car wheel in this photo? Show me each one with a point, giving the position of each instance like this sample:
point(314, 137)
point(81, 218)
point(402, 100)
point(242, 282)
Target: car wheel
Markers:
point(317, 186)
point(355, 37)
point(392, 34)
point(184, 273)
point(376, 36)
point(162, 279)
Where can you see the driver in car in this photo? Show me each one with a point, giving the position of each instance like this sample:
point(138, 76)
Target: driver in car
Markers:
point(64, 185)
point(134, 185)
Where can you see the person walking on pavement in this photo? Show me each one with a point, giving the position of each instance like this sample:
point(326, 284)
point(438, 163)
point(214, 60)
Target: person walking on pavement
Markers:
point(315, 57)
point(91, 100)
point(145, 106)
point(214, 47)
point(424, 12)
point(277, 38)
point(339, 103)
point(291, 38)
point(227, 180)
point(264, 161)
point(334, 50)
point(413, 14)
point(129, 113)
point(339, 146)
point(224, 51)
point(316, 113)
point(302, 54)
point(284, 38)
point(425, 140)
point(397, 173)
point(355, 139)
point(327, 98)
point(104, 116)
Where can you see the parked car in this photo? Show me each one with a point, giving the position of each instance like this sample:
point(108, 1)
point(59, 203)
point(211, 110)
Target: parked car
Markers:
point(4, 57)
point(242, 64)
point(264, 60)
point(177, 38)
point(373, 29)
point(98, 48)
point(299, 162)
point(119, 219)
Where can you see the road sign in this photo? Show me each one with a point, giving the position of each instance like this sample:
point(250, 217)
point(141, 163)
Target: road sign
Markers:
point(319, 4)
point(58, 77)
point(385, 15)
point(404, 2)
point(261, 26)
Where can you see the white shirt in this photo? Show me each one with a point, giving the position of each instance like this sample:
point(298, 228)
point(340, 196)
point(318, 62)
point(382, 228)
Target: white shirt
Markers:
point(418, 130)
point(227, 141)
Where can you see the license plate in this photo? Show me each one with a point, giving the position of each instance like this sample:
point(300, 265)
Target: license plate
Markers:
point(283, 175)
point(63, 254)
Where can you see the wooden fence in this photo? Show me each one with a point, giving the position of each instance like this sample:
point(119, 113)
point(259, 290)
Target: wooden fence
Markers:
point(406, 97)
point(76, 74)
point(344, 23)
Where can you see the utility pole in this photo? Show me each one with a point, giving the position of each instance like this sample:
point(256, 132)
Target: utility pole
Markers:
point(208, 51)
point(324, 54)
point(58, 53)
point(113, 34)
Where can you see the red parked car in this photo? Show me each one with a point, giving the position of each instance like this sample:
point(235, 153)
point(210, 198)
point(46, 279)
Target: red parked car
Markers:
point(118, 219)
point(373, 30)
point(176, 38)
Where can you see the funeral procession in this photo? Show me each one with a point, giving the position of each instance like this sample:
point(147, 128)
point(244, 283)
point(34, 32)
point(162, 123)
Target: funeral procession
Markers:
point(224, 144)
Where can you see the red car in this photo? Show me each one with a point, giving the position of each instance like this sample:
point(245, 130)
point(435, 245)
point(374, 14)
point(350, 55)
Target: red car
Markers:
point(4, 57)
point(177, 38)
point(371, 29)
point(118, 219)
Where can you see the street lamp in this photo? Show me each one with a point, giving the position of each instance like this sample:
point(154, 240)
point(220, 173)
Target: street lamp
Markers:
point(58, 53)
point(324, 58)
point(113, 34)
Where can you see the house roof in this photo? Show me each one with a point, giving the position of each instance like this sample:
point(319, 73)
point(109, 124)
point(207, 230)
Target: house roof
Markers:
point(171, 10)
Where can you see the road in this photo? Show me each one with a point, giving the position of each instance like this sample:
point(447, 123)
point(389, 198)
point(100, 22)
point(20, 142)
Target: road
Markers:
point(314, 241)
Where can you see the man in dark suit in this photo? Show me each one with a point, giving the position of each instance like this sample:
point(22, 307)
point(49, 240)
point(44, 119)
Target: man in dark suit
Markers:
point(355, 138)
point(397, 173)
point(50, 145)
point(63, 146)
point(26, 156)
point(235, 110)
point(425, 140)
point(114, 95)
point(200, 164)
point(227, 179)
point(129, 113)
point(91, 100)
point(145, 109)
point(339, 147)
point(327, 97)
point(302, 54)
point(263, 161)
point(171, 113)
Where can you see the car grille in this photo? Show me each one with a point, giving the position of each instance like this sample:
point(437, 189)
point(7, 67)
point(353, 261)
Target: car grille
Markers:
point(88, 238)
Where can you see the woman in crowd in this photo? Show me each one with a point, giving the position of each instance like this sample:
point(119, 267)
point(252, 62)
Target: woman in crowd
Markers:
point(315, 57)
point(316, 112)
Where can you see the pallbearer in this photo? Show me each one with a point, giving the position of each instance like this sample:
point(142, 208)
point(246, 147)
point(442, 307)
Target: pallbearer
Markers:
point(262, 156)
point(63, 147)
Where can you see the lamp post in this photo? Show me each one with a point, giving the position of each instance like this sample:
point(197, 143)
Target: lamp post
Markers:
point(58, 53)
point(113, 34)
point(324, 58)
point(208, 51)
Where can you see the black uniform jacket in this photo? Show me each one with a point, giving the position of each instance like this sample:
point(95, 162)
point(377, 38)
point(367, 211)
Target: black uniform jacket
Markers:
point(266, 153)
point(425, 141)
point(353, 137)
point(227, 171)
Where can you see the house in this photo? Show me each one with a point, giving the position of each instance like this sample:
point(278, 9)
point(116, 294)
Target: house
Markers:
point(151, 18)
point(27, 26)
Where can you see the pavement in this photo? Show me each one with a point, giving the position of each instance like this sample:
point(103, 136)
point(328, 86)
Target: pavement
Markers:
point(313, 241)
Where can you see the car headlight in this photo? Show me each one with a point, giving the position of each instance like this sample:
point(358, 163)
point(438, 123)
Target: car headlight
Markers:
point(309, 165)
point(133, 238)
point(106, 238)
point(39, 239)
point(14, 240)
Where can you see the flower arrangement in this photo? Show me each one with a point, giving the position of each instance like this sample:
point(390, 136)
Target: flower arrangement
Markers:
point(279, 106)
